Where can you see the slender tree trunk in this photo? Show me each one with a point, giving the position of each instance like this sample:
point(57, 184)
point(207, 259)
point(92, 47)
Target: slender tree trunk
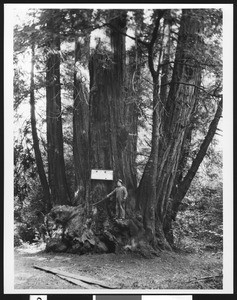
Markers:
point(38, 157)
point(56, 164)
point(186, 182)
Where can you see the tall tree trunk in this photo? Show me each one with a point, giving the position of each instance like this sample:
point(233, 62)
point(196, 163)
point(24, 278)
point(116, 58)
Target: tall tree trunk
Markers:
point(179, 106)
point(112, 130)
point(101, 128)
point(81, 124)
point(124, 112)
point(38, 157)
point(146, 201)
point(147, 187)
point(132, 100)
point(169, 130)
point(56, 164)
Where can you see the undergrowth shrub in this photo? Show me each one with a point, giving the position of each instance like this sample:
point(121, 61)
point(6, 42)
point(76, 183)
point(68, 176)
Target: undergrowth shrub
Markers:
point(23, 233)
point(200, 224)
point(28, 215)
point(29, 204)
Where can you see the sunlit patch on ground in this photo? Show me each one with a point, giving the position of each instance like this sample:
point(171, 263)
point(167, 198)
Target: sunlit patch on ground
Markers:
point(32, 248)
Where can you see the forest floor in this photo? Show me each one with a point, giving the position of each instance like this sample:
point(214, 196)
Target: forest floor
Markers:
point(169, 270)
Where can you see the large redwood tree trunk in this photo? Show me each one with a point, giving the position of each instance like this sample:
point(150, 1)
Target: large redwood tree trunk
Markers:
point(56, 164)
point(168, 131)
point(113, 124)
point(112, 127)
point(81, 123)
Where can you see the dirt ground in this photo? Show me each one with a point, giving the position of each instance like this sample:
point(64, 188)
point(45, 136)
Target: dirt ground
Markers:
point(171, 270)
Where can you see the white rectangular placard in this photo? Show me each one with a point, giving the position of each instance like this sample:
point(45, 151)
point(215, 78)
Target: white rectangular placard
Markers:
point(102, 174)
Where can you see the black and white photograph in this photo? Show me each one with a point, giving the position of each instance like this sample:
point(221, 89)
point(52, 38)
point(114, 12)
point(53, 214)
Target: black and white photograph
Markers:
point(118, 137)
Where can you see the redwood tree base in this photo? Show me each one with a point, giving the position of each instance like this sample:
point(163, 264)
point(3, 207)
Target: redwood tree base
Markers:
point(73, 231)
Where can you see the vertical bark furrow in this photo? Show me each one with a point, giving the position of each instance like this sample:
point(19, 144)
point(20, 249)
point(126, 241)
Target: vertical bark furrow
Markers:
point(174, 115)
point(80, 124)
point(56, 165)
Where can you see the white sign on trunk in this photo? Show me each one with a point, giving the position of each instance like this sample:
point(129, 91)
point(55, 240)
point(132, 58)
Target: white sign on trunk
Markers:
point(102, 174)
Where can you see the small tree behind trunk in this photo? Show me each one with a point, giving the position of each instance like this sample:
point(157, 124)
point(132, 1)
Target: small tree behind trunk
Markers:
point(38, 157)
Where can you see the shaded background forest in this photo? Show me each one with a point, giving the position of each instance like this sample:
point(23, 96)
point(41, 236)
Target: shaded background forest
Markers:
point(135, 91)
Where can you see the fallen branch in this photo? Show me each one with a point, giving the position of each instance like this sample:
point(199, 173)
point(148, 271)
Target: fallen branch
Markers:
point(77, 278)
point(78, 282)
point(205, 278)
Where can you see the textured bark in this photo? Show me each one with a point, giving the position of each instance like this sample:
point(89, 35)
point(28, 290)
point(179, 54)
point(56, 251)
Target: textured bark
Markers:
point(166, 57)
point(147, 187)
point(112, 129)
point(123, 113)
point(56, 165)
point(101, 128)
point(38, 157)
point(146, 201)
point(169, 131)
point(80, 125)
point(179, 107)
point(184, 153)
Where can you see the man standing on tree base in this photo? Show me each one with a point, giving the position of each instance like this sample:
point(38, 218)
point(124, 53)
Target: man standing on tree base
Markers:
point(121, 195)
